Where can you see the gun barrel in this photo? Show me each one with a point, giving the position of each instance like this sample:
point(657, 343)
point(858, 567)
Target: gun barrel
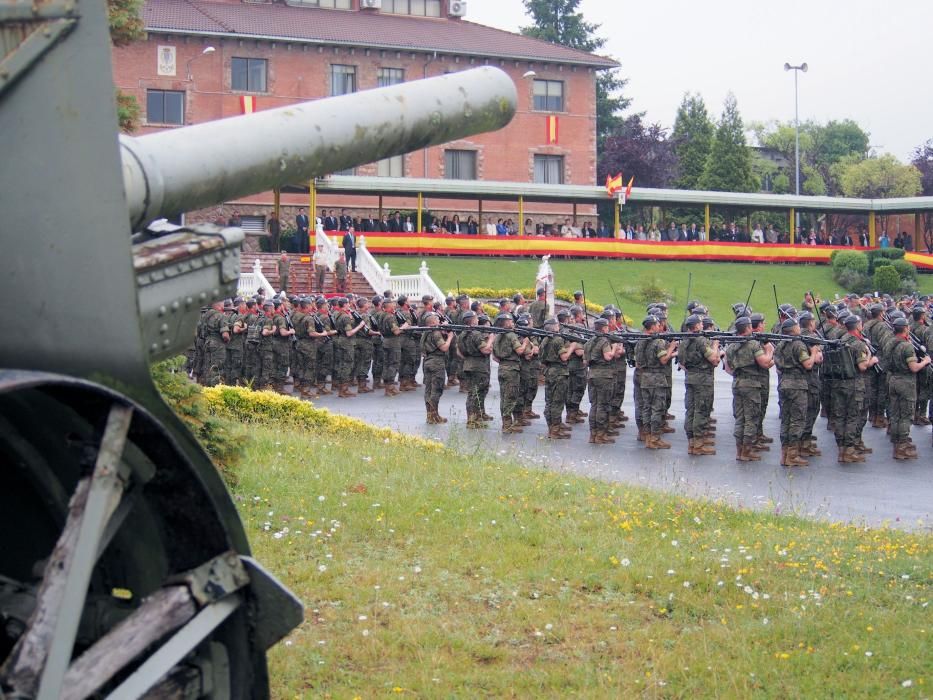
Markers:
point(180, 170)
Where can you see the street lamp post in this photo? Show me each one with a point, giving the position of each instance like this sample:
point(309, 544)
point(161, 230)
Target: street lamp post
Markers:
point(207, 50)
point(796, 69)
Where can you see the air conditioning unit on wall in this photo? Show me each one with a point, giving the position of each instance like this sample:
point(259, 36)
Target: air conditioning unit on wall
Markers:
point(370, 4)
point(457, 8)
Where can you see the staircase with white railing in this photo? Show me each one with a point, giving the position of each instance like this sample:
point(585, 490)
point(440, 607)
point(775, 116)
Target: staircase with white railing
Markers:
point(252, 282)
point(381, 278)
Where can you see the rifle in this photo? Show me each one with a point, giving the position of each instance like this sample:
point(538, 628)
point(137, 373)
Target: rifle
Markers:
point(614, 295)
point(748, 300)
point(523, 331)
point(586, 321)
point(290, 326)
point(777, 306)
point(686, 310)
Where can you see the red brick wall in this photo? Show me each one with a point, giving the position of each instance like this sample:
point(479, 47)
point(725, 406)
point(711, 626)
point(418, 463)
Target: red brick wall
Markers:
point(299, 72)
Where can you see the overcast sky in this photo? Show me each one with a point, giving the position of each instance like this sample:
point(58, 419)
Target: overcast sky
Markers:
point(868, 60)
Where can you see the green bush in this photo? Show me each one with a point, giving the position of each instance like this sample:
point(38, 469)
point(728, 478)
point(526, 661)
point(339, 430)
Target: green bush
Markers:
point(906, 270)
point(854, 281)
point(850, 260)
point(887, 280)
point(882, 256)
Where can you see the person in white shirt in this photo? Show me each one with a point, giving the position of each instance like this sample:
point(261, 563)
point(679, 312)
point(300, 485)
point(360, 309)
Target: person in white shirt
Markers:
point(654, 234)
point(758, 235)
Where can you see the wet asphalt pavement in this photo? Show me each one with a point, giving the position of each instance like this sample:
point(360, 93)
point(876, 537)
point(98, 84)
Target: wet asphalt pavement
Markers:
point(876, 492)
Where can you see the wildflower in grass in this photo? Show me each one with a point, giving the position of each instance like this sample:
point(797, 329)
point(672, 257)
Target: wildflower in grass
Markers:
point(322, 568)
point(625, 562)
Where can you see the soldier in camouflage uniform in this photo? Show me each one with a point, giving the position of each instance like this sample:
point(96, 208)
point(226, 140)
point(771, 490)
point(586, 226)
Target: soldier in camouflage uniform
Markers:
point(410, 348)
point(391, 345)
point(378, 354)
point(699, 358)
point(216, 336)
point(266, 354)
point(918, 326)
point(304, 370)
point(577, 372)
point(617, 417)
point(476, 347)
point(325, 348)
point(233, 363)
point(848, 401)
point(652, 355)
point(794, 361)
point(347, 329)
point(902, 386)
point(831, 330)
point(507, 348)
point(252, 360)
point(435, 345)
point(761, 440)
point(875, 330)
point(364, 347)
point(555, 351)
point(529, 367)
point(743, 360)
point(808, 446)
point(599, 353)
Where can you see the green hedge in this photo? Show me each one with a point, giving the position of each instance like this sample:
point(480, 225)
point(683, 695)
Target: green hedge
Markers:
point(887, 280)
point(849, 260)
point(906, 270)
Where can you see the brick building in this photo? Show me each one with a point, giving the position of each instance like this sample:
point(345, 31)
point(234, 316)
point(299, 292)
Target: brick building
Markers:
point(204, 60)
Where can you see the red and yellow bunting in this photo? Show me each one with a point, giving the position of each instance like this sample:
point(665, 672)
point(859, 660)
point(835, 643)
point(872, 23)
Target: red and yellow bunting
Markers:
point(551, 130)
point(247, 104)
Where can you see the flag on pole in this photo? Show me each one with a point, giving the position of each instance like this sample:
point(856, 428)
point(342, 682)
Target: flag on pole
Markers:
point(625, 194)
point(613, 184)
point(247, 104)
point(550, 135)
point(628, 188)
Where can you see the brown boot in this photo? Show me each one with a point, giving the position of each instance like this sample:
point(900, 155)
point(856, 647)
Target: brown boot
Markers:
point(592, 439)
point(752, 454)
point(690, 445)
point(519, 421)
point(812, 449)
point(853, 456)
point(429, 417)
point(764, 439)
point(362, 387)
point(582, 414)
point(760, 447)
point(862, 449)
point(900, 454)
point(344, 392)
point(740, 454)
point(573, 416)
point(603, 439)
point(323, 390)
point(658, 443)
point(666, 429)
point(668, 416)
point(474, 422)
point(793, 456)
point(642, 435)
point(390, 390)
point(529, 413)
point(555, 433)
point(843, 456)
point(486, 417)
point(701, 449)
point(611, 432)
point(438, 418)
point(508, 427)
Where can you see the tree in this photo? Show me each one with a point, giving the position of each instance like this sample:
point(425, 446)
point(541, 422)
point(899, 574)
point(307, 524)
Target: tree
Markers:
point(692, 139)
point(559, 22)
point(729, 164)
point(877, 178)
point(126, 26)
point(642, 150)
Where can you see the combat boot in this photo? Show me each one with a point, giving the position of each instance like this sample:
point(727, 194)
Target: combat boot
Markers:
point(762, 438)
point(760, 446)
point(362, 387)
point(611, 432)
point(853, 456)
point(565, 429)
point(740, 455)
point(592, 439)
point(438, 418)
point(659, 443)
point(581, 414)
point(519, 421)
point(622, 417)
point(668, 416)
point(691, 443)
point(603, 438)
point(508, 427)
point(900, 454)
point(555, 433)
point(344, 392)
point(574, 415)
point(390, 389)
point(485, 416)
point(843, 456)
point(701, 449)
point(529, 413)
point(812, 449)
point(750, 454)
point(862, 449)
point(429, 416)
point(794, 459)
point(666, 429)
point(323, 390)
point(642, 435)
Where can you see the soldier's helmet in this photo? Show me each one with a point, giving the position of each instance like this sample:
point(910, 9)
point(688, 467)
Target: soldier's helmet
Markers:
point(649, 320)
point(504, 317)
point(899, 323)
point(523, 320)
point(743, 322)
point(693, 319)
point(788, 324)
point(467, 315)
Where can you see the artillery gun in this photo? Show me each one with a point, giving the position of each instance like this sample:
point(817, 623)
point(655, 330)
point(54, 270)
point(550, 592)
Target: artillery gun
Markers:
point(124, 568)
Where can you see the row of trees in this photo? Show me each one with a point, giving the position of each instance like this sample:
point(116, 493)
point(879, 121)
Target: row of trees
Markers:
point(698, 153)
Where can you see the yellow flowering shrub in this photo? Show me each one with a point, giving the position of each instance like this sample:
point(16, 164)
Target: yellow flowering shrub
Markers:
point(490, 293)
point(267, 407)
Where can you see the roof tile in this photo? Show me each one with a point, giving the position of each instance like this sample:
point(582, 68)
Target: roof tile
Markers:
point(397, 32)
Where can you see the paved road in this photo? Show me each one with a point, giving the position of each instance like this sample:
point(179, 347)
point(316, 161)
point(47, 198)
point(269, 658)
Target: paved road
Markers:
point(877, 491)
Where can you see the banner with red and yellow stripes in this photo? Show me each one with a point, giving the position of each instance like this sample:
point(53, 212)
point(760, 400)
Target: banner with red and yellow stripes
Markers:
point(551, 135)
point(527, 246)
point(247, 104)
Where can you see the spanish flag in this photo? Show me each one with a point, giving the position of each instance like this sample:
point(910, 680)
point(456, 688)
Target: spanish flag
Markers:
point(613, 184)
point(628, 188)
point(247, 104)
point(550, 135)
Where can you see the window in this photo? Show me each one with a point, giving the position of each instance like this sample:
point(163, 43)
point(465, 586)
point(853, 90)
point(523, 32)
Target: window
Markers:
point(390, 76)
point(460, 165)
point(422, 8)
point(549, 96)
point(549, 170)
point(248, 74)
point(391, 167)
point(342, 80)
point(330, 4)
point(348, 171)
point(165, 107)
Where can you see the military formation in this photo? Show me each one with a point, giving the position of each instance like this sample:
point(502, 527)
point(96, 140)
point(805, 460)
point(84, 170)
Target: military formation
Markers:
point(856, 362)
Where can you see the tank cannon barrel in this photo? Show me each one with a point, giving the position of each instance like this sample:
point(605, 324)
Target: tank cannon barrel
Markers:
point(180, 170)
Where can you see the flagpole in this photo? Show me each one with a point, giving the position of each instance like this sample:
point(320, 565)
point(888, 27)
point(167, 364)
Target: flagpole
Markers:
point(617, 207)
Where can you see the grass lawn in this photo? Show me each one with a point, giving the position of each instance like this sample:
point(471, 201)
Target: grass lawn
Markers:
point(445, 575)
point(719, 285)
